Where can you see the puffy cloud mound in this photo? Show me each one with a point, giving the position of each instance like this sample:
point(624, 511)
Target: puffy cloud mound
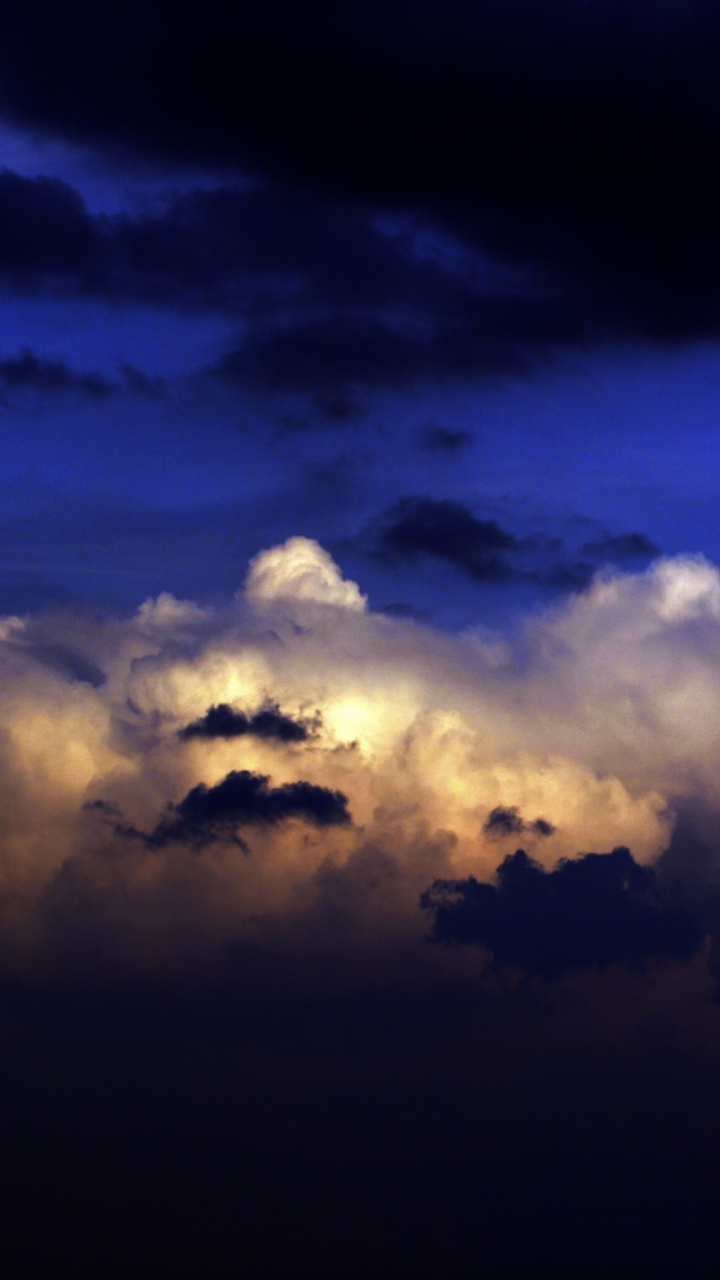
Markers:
point(301, 571)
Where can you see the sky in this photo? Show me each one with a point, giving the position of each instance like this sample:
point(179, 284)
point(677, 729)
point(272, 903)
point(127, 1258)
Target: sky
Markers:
point(359, 635)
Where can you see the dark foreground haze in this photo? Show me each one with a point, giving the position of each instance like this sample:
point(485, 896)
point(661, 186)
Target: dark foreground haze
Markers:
point(438, 1132)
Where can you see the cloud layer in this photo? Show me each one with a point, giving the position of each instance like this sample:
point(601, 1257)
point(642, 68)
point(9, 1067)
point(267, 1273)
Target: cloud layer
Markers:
point(428, 755)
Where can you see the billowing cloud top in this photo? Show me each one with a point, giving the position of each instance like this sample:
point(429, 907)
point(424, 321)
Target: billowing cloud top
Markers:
point(302, 572)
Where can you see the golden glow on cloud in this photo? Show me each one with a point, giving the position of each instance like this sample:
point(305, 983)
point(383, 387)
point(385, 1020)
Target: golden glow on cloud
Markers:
point(611, 715)
point(302, 572)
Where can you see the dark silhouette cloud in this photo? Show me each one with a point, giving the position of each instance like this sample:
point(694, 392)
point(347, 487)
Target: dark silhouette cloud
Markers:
point(484, 551)
point(502, 821)
point(448, 531)
point(208, 815)
point(599, 910)
point(222, 721)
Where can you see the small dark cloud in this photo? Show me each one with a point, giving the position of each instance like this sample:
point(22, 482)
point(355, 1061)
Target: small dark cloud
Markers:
point(598, 910)
point(209, 815)
point(448, 531)
point(623, 546)
point(222, 721)
point(439, 439)
point(503, 821)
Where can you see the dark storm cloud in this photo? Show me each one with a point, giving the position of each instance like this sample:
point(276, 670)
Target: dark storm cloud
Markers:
point(599, 910)
point(507, 821)
point(209, 815)
point(222, 721)
point(329, 299)
point(576, 137)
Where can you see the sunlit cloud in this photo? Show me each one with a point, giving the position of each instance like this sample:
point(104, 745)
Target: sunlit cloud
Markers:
point(385, 740)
